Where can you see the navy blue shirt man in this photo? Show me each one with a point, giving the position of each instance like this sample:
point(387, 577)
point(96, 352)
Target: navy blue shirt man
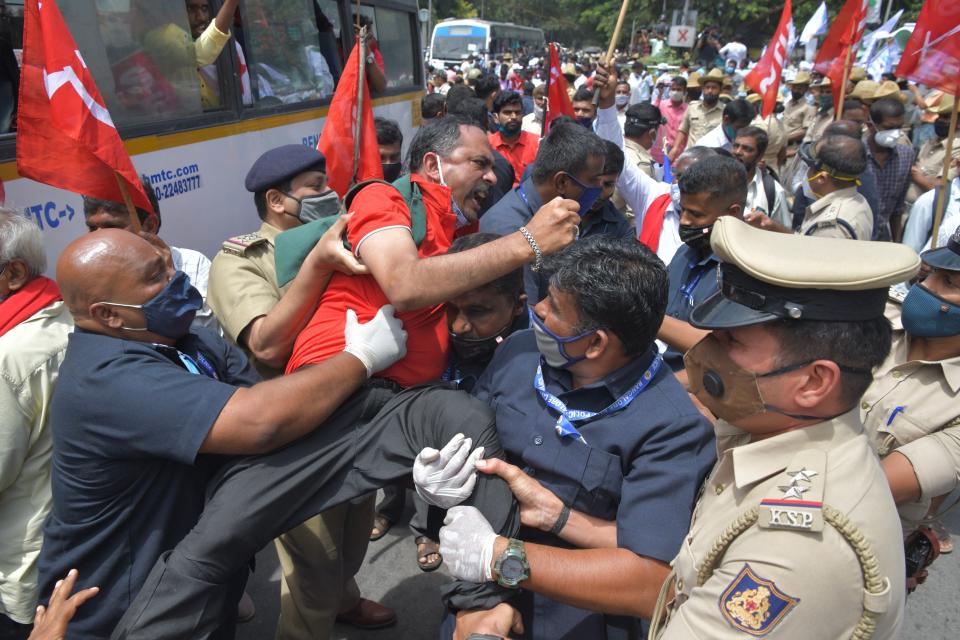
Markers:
point(713, 187)
point(605, 451)
point(570, 164)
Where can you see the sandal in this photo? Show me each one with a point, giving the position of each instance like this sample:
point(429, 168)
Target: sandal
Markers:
point(426, 548)
point(943, 536)
point(381, 525)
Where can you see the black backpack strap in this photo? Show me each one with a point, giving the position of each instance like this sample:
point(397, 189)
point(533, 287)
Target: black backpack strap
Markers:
point(770, 190)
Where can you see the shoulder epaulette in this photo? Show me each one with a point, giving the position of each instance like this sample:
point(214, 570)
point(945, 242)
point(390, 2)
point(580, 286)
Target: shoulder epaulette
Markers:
point(239, 244)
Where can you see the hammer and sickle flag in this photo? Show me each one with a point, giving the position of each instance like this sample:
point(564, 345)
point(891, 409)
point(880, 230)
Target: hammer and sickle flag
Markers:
point(65, 135)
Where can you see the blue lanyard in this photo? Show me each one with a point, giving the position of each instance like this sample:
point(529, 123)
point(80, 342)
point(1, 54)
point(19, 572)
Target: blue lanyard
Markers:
point(567, 417)
point(523, 196)
point(686, 290)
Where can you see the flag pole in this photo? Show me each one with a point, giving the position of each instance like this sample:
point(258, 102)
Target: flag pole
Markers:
point(613, 44)
point(358, 120)
point(132, 210)
point(947, 159)
point(551, 47)
point(843, 84)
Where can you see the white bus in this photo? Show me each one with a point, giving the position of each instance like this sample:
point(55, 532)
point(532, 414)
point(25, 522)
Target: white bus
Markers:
point(454, 41)
point(196, 141)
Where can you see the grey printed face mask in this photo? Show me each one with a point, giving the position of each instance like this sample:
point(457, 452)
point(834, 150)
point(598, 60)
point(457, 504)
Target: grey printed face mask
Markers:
point(316, 207)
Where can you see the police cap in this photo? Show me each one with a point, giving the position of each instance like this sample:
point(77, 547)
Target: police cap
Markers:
point(947, 257)
point(276, 166)
point(766, 276)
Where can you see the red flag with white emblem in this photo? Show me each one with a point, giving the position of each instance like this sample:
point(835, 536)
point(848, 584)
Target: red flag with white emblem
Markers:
point(843, 37)
point(65, 135)
point(932, 54)
point(765, 77)
point(558, 101)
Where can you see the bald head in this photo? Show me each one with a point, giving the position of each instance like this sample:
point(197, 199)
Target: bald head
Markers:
point(847, 128)
point(103, 265)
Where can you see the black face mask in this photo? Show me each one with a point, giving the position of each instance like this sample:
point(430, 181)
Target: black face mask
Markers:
point(391, 170)
point(941, 128)
point(480, 350)
point(710, 99)
point(697, 238)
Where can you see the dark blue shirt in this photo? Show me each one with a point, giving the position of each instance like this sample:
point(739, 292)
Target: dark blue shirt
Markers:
point(693, 279)
point(642, 466)
point(517, 208)
point(128, 421)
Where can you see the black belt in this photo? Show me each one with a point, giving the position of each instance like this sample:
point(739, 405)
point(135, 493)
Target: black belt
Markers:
point(383, 383)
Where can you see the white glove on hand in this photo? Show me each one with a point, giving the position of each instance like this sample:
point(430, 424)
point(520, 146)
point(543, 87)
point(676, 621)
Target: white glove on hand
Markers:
point(466, 544)
point(446, 478)
point(378, 343)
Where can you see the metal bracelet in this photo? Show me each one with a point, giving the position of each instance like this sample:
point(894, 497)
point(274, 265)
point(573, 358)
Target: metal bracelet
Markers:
point(537, 255)
point(561, 521)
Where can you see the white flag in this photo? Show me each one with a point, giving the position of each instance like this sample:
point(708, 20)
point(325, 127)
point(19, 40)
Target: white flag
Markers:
point(882, 32)
point(817, 25)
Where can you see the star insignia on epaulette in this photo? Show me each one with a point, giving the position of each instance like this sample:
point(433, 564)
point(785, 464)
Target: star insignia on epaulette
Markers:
point(793, 491)
point(804, 474)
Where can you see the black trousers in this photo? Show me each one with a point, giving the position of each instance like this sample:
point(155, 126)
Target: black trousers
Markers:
point(371, 441)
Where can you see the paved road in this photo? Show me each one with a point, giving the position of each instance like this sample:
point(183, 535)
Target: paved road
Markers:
point(390, 575)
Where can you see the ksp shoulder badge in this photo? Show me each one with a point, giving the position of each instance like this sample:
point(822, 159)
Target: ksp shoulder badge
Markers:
point(754, 605)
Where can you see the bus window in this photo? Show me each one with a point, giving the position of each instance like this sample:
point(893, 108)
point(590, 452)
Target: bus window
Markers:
point(213, 69)
point(285, 59)
point(394, 37)
point(457, 42)
point(330, 35)
point(141, 55)
point(11, 41)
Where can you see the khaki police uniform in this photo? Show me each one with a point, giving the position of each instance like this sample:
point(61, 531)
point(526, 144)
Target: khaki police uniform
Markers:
point(320, 557)
point(798, 115)
point(841, 214)
point(820, 122)
point(912, 408)
point(700, 119)
point(776, 132)
point(775, 540)
point(795, 535)
point(930, 163)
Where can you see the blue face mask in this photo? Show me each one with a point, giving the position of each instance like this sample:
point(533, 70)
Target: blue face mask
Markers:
point(585, 122)
point(551, 346)
point(588, 195)
point(729, 132)
point(170, 312)
point(927, 315)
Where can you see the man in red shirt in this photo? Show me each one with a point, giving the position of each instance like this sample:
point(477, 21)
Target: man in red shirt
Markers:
point(450, 163)
point(517, 146)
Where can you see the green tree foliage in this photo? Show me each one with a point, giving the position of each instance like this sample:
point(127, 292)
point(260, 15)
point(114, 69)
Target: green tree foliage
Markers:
point(591, 22)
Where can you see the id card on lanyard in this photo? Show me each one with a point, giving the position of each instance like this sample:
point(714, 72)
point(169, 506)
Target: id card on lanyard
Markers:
point(565, 427)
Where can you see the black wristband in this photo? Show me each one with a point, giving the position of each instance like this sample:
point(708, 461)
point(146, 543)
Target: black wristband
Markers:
point(561, 521)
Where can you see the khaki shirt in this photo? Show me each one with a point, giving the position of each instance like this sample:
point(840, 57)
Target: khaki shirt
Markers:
point(776, 139)
point(841, 214)
point(930, 163)
point(912, 408)
point(798, 115)
point(243, 285)
point(698, 120)
point(820, 122)
point(790, 572)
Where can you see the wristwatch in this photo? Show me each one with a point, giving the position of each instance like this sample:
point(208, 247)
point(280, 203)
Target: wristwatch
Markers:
point(512, 567)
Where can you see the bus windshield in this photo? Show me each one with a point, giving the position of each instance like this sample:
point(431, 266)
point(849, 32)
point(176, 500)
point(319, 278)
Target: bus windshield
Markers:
point(455, 42)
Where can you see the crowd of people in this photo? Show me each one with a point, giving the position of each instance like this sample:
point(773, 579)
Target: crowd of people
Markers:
point(639, 365)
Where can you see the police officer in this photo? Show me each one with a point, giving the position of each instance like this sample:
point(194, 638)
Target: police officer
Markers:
point(824, 106)
point(795, 530)
point(911, 409)
point(702, 115)
point(290, 188)
point(832, 174)
point(798, 113)
point(928, 167)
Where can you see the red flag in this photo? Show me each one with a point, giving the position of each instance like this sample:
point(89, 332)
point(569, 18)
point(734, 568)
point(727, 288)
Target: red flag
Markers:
point(65, 135)
point(558, 101)
point(844, 35)
point(337, 138)
point(765, 77)
point(932, 54)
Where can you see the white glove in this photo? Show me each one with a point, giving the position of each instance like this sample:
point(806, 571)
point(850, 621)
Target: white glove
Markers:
point(378, 343)
point(466, 544)
point(446, 478)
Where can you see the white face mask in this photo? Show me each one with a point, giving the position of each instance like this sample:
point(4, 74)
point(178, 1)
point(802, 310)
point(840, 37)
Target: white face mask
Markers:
point(676, 96)
point(675, 196)
point(462, 220)
point(807, 189)
point(622, 100)
point(538, 113)
point(887, 138)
